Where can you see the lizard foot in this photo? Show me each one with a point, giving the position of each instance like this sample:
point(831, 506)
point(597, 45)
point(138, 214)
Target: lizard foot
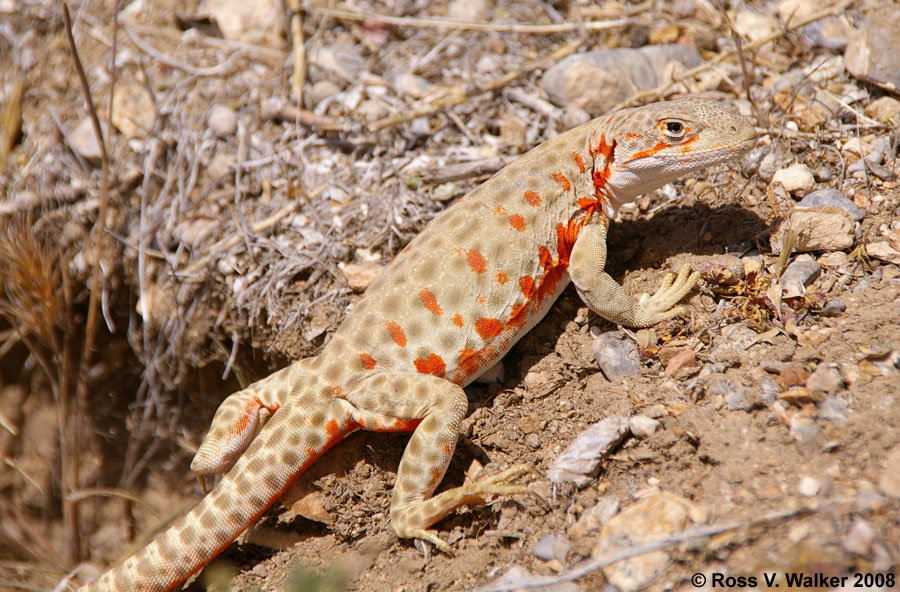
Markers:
point(431, 510)
point(661, 305)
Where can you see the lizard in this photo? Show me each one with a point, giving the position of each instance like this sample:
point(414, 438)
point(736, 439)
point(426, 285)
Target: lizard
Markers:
point(449, 306)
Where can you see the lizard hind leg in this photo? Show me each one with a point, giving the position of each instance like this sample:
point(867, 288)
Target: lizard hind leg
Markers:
point(433, 408)
point(238, 420)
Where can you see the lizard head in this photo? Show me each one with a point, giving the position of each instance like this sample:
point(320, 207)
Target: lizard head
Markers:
point(652, 145)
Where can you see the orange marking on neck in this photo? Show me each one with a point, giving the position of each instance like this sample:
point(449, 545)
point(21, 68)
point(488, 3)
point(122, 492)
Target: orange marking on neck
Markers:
point(650, 152)
point(433, 364)
point(518, 316)
point(605, 150)
point(458, 320)
point(533, 198)
point(488, 328)
point(396, 332)
point(368, 362)
point(430, 301)
point(579, 162)
point(562, 181)
point(545, 257)
point(517, 222)
point(526, 284)
point(332, 428)
point(501, 277)
point(476, 261)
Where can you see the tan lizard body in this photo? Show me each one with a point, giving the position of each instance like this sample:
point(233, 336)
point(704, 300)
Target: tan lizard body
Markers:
point(447, 308)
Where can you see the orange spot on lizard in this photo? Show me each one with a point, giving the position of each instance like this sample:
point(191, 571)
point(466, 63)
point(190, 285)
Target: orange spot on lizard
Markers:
point(533, 198)
point(579, 162)
point(685, 146)
point(430, 301)
point(499, 210)
point(458, 320)
point(433, 365)
point(562, 181)
point(332, 429)
point(368, 362)
point(501, 277)
point(650, 151)
point(396, 332)
point(517, 222)
point(488, 328)
point(476, 261)
point(526, 284)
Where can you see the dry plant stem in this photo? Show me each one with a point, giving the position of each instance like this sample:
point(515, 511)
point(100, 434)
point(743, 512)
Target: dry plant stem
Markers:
point(653, 94)
point(443, 23)
point(761, 119)
point(217, 70)
point(591, 565)
point(298, 75)
point(496, 84)
point(70, 463)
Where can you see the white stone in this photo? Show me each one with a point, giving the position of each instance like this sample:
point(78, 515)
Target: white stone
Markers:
point(222, 120)
point(795, 178)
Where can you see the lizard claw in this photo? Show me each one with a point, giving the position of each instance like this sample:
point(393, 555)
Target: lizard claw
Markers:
point(661, 305)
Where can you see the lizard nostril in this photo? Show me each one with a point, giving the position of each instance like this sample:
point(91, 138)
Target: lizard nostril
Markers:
point(732, 128)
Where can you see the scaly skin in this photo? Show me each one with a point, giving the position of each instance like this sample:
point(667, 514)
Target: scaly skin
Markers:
point(446, 309)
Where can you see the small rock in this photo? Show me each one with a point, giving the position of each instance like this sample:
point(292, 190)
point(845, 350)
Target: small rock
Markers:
point(860, 538)
point(533, 441)
point(84, 141)
point(258, 22)
point(884, 109)
point(360, 276)
point(579, 463)
point(818, 229)
point(342, 58)
point(661, 515)
point(411, 85)
point(823, 174)
point(682, 360)
point(528, 424)
point(883, 251)
point(833, 259)
point(834, 307)
point(667, 352)
point(769, 165)
point(792, 375)
point(799, 274)
point(222, 121)
point(890, 477)
point(826, 378)
point(754, 25)
point(803, 429)
point(656, 411)
point(467, 10)
point(445, 192)
point(795, 178)
point(642, 426)
point(800, 396)
point(833, 409)
point(553, 546)
point(319, 91)
point(872, 54)
point(832, 197)
point(595, 517)
point(736, 401)
point(133, 110)
point(723, 270)
point(809, 486)
point(831, 33)
point(595, 81)
point(617, 355)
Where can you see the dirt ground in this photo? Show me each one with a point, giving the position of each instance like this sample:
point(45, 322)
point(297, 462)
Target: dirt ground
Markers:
point(225, 253)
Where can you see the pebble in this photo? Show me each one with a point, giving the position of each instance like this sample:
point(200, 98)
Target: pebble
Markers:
point(820, 229)
point(133, 110)
point(467, 10)
point(859, 538)
point(617, 355)
point(883, 251)
point(833, 409)
point(871, 55)
point(411, 85)
point(890, 477)
point(834, 307)
point(360, 276)
point(683, 360)
point(553, 546)
point(341, 57)
point(222, 121)
point(803, 271)
point(884, 109)
point(832, 197)
point(831, 33)
point(736, 401)
point(579, 463)
point(825, 378)
point(257, 22)
point(770, 164)
point(809, 486)
point(795, 178)
point(319, 91)
point(84, 141)
point(660, 515)
point(642, 426)
point(595, 517)
point(597, 80)
point(803, 429)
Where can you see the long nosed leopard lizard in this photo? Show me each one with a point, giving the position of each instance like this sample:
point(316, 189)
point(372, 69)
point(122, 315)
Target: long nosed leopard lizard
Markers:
point(448, 307)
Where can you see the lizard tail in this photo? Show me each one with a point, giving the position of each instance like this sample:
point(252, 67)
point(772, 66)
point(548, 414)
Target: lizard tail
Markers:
point(289, 443)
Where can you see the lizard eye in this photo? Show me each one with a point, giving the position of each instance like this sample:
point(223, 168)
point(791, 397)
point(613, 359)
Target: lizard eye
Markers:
point(674, 129)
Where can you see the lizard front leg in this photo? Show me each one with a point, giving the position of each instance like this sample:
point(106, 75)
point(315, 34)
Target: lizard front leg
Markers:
point(608, 299)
